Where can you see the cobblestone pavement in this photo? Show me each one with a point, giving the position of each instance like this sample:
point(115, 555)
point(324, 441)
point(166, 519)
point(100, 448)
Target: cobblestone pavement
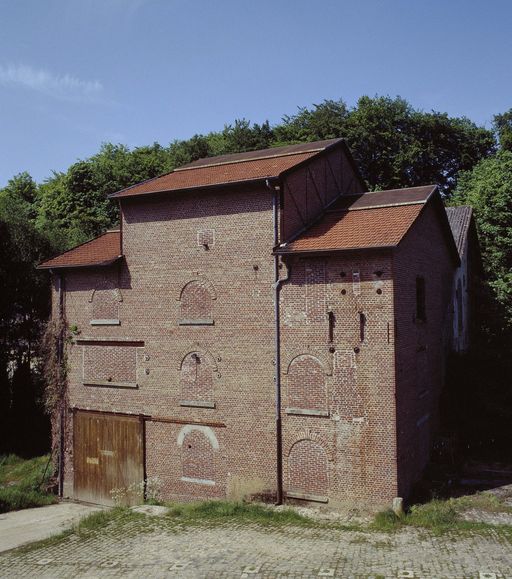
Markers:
point(150, 547)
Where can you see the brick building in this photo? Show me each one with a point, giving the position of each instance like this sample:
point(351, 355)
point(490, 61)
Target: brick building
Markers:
point(259, 325)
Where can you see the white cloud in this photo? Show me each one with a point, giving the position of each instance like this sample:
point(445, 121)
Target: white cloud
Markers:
point(66, 87)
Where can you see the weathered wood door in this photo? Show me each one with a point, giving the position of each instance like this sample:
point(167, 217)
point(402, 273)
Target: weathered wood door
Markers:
point(108, 455)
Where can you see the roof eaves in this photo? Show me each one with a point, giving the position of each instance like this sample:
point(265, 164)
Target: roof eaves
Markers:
point(81, 265)
point(283, 251)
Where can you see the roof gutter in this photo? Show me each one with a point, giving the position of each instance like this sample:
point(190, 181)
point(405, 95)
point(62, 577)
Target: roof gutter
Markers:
point(284, 251)
point(79, 266)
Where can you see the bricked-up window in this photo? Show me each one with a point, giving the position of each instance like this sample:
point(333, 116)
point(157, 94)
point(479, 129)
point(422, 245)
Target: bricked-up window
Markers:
point(196, 381)
point(110, 365)
point(197, 457)
point(306, 385)
point(196, 304)
point(316, 307)
point(105, 306)
point(206, 238)
point(307, 470)
point(421, 300)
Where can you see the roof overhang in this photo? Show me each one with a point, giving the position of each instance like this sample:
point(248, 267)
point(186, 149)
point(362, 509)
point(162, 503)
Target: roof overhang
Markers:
point(81, 265)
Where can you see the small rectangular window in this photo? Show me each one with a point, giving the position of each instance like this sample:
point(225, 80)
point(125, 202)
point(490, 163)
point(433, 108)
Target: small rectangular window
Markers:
point(421, 310)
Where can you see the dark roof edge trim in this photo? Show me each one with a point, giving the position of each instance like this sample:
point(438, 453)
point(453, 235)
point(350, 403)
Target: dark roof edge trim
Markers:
point(81, 265)
point(284, 251)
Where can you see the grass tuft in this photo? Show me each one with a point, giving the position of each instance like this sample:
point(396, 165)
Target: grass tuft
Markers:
point(22, 483)
point(441, 516)
point(235, 511)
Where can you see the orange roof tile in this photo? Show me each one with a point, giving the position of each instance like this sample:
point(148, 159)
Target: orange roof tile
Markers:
point(102, 250)
point(239, 167)
point(358, 229)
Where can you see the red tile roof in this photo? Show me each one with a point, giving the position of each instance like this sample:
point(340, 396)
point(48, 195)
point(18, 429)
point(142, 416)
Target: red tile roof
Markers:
point(239, 167)
point(369, 220)
point(102, 250)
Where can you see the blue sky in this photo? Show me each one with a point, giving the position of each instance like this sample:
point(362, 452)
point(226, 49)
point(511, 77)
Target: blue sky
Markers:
point(76, 73)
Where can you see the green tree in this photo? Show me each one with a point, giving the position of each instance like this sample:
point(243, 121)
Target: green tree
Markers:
point(241, 137)
point(394, 144)
point(488, 189)
point(327, 120)
point(503, 126)
point(23, 309)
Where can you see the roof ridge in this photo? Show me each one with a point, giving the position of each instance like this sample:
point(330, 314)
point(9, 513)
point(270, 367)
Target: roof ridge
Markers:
point(431, 185)
point(383, 206)
point(237, 161)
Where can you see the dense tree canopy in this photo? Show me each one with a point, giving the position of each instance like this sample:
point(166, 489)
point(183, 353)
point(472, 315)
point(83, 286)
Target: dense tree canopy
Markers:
point(488, 189)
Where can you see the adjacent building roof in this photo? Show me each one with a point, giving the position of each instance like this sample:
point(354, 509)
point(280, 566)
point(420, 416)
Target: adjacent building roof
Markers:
point(228, 169)
point(369, 220)
point(103, 250)
point(460, 221)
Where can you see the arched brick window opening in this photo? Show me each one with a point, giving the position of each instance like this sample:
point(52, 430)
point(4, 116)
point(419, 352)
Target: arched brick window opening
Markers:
point(196, 304)
point(197, 457)
point(105, 306)
point(196, 380)
point(307, 470)
point(306, 384)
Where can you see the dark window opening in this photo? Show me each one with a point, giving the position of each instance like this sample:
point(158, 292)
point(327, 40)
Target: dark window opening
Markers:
point(362, 326)
point(421, 309)
point(332, 322)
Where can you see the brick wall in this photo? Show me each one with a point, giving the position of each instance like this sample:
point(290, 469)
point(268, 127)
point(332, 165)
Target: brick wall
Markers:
point(168, 276)
point(420, 345)
point(356, 431)
point(194, 332)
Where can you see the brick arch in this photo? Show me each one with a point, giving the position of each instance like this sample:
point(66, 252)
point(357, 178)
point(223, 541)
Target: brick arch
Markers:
point(196, 378)
point(305, 385)
point(117, 295)
point(196, 348)
point(196, 300)
point(105, 302)
point(198, 446)
point(308, 469)
point(202, 281)
point(315, 436)
point(322, 359)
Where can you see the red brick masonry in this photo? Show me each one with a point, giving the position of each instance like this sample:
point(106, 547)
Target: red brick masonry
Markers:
point(182, 329)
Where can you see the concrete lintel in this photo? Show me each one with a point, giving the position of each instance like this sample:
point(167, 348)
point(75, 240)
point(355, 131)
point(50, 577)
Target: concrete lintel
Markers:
point(105, 322)
point(198, 481)
point(197, 403)
point(307, 412)
point(306, 497)
point(107, 384)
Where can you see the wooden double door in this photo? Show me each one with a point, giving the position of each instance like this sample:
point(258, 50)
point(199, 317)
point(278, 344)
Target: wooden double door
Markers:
point(108, 458)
